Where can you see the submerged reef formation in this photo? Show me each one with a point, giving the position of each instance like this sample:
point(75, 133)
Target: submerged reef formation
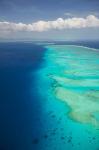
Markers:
point(74, 75)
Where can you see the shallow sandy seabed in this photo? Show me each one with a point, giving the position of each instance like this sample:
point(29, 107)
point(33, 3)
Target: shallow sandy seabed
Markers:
point(83, 106)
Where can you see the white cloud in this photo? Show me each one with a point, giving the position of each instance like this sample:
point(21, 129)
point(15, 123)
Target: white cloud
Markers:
point(59, 24)
point(68, 14)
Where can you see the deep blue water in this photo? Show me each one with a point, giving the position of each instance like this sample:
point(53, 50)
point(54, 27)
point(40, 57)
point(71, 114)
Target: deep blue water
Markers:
point(21, 111)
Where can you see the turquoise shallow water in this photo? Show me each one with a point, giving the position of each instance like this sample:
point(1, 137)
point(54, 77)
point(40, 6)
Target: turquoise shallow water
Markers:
point(69, 79)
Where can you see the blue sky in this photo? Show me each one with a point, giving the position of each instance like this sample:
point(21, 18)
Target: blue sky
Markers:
point(31, 11)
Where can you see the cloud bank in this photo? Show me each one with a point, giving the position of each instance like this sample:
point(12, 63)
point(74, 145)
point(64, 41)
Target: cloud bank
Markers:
point(58, 24)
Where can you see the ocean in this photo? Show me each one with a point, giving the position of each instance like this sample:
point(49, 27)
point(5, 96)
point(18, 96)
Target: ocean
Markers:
point(49, 95)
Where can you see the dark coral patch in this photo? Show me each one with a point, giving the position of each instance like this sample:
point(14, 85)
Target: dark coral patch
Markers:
point(53, 116)
point(79, 143)
point(35, 141)
point(93, 138)
point(62, 138)
point(45, 136)
point(69, 139)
